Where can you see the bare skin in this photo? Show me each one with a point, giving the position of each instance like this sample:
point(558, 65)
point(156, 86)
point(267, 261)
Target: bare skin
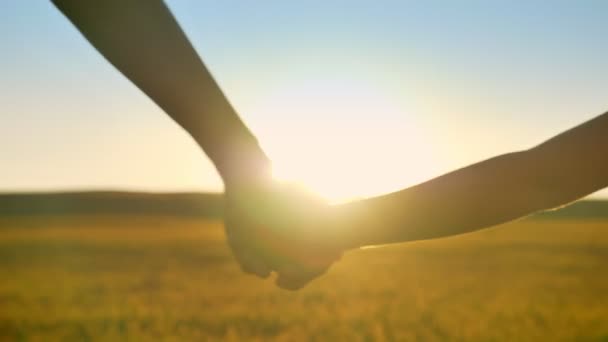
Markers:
point(559, 171)
point(273, 228)
point(145, 43)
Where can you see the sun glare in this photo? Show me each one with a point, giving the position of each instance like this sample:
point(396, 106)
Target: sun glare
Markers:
point(341, 138)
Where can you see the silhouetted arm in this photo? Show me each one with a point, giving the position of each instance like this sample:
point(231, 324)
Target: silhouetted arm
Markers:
point(142, 40)
point(561, 170)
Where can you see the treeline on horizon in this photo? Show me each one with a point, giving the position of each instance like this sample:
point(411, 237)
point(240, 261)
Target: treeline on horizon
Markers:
point(207, 205)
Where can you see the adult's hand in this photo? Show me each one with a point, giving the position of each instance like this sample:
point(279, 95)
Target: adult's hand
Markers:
point(276, 227)
point(268, 228)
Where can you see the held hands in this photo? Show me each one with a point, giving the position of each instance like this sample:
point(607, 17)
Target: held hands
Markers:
point(275, 227)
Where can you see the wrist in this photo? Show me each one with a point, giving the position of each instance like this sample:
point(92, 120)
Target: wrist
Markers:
point(226, 140)
point(366, 222)
point(347, 225)
point(235, 153)
point(243, 164)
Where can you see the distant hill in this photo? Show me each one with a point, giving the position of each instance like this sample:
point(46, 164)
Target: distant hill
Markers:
point(188, 204)
point(586, 209)
point(131, 203)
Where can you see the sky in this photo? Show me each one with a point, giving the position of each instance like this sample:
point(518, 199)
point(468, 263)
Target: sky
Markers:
point(350, 98)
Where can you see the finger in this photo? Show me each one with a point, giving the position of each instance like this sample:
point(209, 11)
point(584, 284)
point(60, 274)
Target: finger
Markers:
point(295, 283)
point(250, 262)
point(295, 280)
point(255, 267)
point(298, 270)
point(301, 262)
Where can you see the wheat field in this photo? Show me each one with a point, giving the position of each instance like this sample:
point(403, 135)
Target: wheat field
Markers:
point(172, 279)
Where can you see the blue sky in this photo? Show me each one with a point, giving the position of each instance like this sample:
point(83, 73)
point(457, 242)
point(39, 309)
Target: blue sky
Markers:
point(352, 98)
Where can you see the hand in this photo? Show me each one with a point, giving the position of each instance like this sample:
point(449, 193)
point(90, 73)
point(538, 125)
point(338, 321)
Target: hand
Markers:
point(275, 227)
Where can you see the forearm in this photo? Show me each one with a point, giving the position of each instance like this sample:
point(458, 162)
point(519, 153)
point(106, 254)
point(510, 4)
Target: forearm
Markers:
point(478, 196)
point(561, 170)
point(143, 41)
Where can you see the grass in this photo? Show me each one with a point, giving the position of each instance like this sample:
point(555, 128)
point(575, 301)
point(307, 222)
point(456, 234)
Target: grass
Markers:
point(167, 278)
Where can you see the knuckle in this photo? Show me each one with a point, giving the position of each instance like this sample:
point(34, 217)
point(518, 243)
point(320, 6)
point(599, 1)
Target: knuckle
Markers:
point(254, 269)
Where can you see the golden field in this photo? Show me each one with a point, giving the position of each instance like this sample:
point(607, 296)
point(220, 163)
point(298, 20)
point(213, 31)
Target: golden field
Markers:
point(157, 278)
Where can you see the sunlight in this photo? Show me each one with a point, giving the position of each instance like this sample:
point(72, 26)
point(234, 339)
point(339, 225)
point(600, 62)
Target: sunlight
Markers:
point(342, 138)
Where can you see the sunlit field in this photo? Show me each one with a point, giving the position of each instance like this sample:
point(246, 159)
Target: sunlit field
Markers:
point(165, 278)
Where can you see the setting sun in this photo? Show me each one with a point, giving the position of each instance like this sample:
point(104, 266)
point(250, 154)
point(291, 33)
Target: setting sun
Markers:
point(343, 138)
point(439, 170)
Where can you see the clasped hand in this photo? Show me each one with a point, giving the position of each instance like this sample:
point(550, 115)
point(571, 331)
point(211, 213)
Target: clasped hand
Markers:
point(272, 227)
